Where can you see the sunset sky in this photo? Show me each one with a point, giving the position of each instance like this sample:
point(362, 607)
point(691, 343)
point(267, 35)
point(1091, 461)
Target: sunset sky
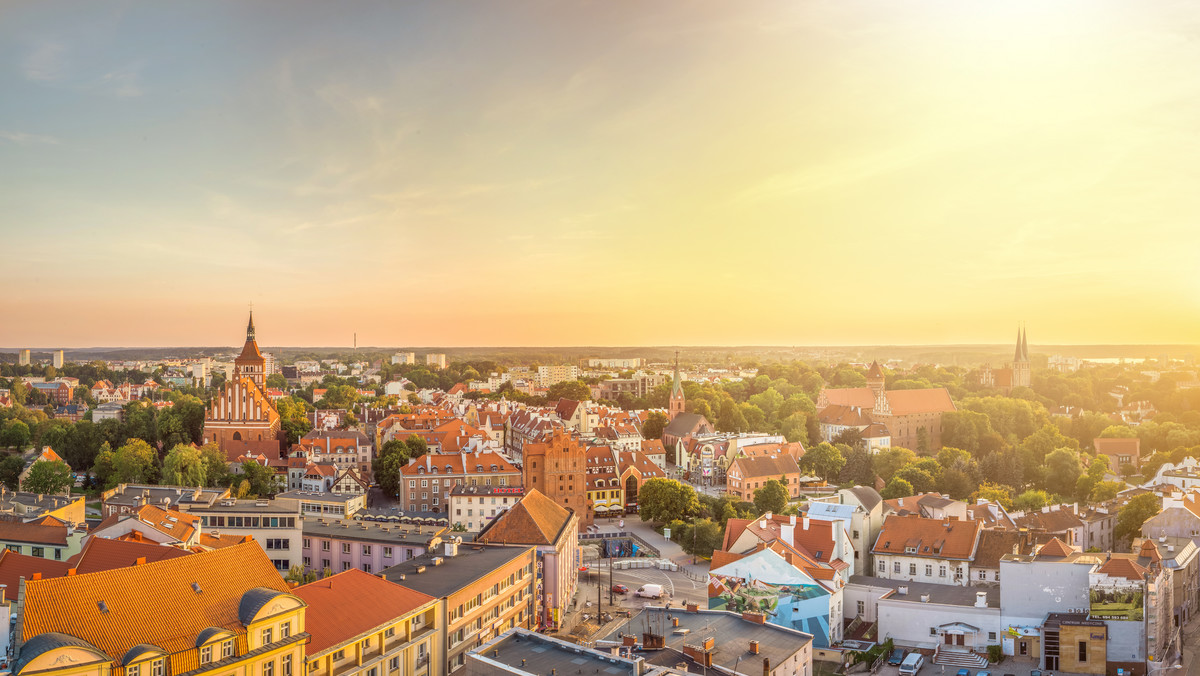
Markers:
point(605, 173)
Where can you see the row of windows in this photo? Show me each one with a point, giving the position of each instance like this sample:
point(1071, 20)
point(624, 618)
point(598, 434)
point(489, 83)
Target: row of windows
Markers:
point(450, 469)
point(248, 521)
point(39, 552)
point(912, 570)
point(346, 548)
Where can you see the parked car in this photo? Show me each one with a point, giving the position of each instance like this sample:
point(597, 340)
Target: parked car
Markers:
point(897, 657)
point(983, 673)
point(649, 591)
point(963, 672)
point(620, 589)
point(912, 664)
point(1035, 672)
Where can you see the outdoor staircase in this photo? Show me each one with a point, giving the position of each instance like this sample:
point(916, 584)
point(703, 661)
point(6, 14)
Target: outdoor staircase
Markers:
point(954, 656)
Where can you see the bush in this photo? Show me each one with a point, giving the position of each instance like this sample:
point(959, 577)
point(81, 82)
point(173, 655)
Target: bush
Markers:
point(995, 654)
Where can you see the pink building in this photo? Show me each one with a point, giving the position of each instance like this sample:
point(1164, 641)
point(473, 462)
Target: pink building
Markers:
point(369, 546)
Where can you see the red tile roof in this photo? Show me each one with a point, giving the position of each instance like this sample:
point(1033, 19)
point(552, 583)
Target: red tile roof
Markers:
point(105, 554)
point(534, 520)
point(345, 606)
point(932, 538)
point(15, 566)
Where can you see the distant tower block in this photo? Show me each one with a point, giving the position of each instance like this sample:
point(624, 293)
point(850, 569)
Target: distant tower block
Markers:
point(57, 359)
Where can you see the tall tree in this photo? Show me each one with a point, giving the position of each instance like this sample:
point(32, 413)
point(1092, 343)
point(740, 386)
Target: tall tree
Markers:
point(1135, 513)
point(771, 497)
point(825, 459)
point(660, 500)
point(50, 477)
point(184, 466)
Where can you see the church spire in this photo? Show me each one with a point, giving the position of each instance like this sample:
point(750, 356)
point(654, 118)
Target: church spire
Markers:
point(1017, 353)
point(1024, 344)
point(676, 403)
point(250, 327)
point(676, 384)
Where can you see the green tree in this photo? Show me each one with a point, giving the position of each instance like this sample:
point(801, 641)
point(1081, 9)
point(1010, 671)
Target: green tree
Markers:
point(655, 423)
point(1118, 432)
point(889, 461)
point(896, 488)
point(296, 574)
point(417, 446)
point(50, 477)
point(825, 459)
point(1063, 471)
point(576, 390)
point(277, 381)
point(1031, 501)
point(10, 470)
point(998, 493)
point(919, 479)
point(184, 466)
point(771, 497)
point(15, 435)
point(661, 500)
point(859, 469)
point(1135, 513)
point(261, 480)
point(388, 473)
point(702, 537)
point(216, 468)
point(134, 463)
point(1105, 491)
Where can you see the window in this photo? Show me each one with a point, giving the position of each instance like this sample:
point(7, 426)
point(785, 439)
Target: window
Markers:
point(412, 483)
point(983, 575)
point(285, 665)
point(928, 570)
point(306, 544)
point(912, 569)
point(345, 547)
point(339, 655)
point(1083, 651)
point(882, 566)
point(387, 552)
point(285, 630)
point(896, 567)
point(941, 571)
point(156, 668)
point(366, 550)
point(39, 552)
point(991, 636)
point(389, 632)
point(206, 654)
point(861, 607)
point(226, 649)
point(933, 631)
point(324, 545)
point(268, 636)
point(345, 565)
point(132, 670)
point(268, 668)
point(394, 664)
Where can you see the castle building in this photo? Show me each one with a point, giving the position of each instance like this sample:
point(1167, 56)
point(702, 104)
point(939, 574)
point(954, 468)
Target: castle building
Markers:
point(242, 419)
point(1015, 374)
point(557, 468)
point(913, 418)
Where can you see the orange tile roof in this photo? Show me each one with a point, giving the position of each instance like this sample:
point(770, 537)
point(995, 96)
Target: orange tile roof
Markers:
point(153, 603)
point(219, 541)
point(178, 525)
point(1055, 548)
point(1109, 446)
point(345, 606)
point(933, 538)
point(31, 533)
point(1122, 567)
point(534, 520)
point(860, 397)
point(105, 554)
point(932, 400)
point(15, 566)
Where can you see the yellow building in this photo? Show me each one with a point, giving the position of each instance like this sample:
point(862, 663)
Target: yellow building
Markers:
point(396, 632)
point(226, 612)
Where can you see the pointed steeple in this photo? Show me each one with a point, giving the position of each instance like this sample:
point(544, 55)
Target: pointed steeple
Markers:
point(1024, 344)
point(1017, 353)
point(250, 327)
point(676, 403)
point(677, 383)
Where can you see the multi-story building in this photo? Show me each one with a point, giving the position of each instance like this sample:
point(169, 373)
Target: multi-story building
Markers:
point(485, 590)
point(518, 652)
point(242, 419)
point(56, 359)
point(396, 633)
point(557, 468)
point(404, 358)
point(128, 498)
point(552, 375)
point(226, 610)
point(748, 474)
point(344, 449)
point(151, 524)
point(554, 531)
point(437, 361)
point(475, 506)
point(916, 549)
point(639, 385)
point(1121, 453)
point(912, 417)
point(370, 546)
point(612, 363)
point(426, 482)
point(45, 538)
point(327, 504)
point(31, 506)
point(274, 524)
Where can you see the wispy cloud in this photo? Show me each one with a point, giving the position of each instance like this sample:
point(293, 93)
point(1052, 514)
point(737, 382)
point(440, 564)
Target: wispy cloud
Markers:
point(23, 139)
point(124, 82)
point(46, 63)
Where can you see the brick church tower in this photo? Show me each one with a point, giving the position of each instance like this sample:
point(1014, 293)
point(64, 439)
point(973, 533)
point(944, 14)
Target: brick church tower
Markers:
point(676, 404)
point(1020, 364)
point(557, 467)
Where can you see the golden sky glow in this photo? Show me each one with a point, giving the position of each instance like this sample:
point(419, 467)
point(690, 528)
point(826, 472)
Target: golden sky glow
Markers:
point(600, 173)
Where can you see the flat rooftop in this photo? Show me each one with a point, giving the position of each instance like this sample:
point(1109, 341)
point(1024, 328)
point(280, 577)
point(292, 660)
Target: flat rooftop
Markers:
point(472, 563)
point(945, 594)
point(312, 496)
point(526, 652)
point(369, 531)
point(288, 507)
point(732, 633)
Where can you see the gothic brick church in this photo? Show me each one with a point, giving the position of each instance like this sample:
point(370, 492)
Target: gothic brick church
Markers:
point(1015, 374)
point(242, 419)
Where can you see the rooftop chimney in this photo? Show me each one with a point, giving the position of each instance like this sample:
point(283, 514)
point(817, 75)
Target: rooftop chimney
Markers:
point(981, 599)
point(754, 647)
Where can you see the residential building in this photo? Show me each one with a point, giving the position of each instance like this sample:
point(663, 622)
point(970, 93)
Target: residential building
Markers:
point(864, 523)
point(917, 549)
point(242, 418)
point(1058, 521)
point(274, 524)
point(577, 415)
point(437, 361)
point(913, 418)
point(1120, 453)
point(426, 482)
point(56, 359)
point(639, 385)
point(485, 590)
point(994, 544)
point(552, 375)
point(688, 636)
point(45, 537)
point(113, 410)
point(128, 498)
point(153, 524)
point(1181, 557)
point(748, 474)
point(822, 542)
point(344, 449)
point(613, 363)
point(955, 623)
point(226, 609)
point(363, 625)
point(327, 504)
point(520, 652)
point(475, 506)
point(557, 468)
point(47, 454)
point(23, 358)
point(654, 449)
point(553, 531)
point(31, 506)
point(404, 358)
point(370, 546)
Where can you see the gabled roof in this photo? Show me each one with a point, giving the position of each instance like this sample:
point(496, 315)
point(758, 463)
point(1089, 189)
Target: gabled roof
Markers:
point(350, 604)
point(994, 544)
point(845, 416)
point(534, 520)
point(1056, 549)
point(931, 400)
point(35, 534)
point(1109, 446)
point(769, 467)
point(1123, 567)
point(15, 566)
point(685, 424)
point(178, 525)
point(858, 397)
point(118, 609)
point(105, 554)
point(931, 538)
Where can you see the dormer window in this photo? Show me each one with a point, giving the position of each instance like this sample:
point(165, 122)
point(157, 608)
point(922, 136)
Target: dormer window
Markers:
point(910, 550)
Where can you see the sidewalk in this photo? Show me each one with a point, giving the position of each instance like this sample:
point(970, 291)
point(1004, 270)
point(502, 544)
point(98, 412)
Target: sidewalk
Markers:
point(666, 548)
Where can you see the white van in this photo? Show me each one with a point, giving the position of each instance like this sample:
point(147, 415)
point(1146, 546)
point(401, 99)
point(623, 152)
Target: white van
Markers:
point(649, 591)
point(912, 664)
